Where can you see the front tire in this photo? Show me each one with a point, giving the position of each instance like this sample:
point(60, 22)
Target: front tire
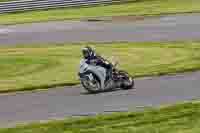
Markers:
point(92, 87)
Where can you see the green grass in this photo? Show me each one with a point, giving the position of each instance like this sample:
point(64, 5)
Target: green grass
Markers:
point(141, 8)
point(37, 67)
point(180, 118)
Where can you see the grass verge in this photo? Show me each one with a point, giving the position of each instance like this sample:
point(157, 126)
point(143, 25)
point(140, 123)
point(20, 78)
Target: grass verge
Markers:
point(138, 7)
point(44, 66)
point(180, 118)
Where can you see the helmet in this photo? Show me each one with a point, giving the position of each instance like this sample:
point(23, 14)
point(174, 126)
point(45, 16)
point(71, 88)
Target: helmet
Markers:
point(88, 52)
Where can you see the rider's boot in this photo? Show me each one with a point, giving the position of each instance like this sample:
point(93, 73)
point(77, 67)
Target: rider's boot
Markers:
point(108, 75)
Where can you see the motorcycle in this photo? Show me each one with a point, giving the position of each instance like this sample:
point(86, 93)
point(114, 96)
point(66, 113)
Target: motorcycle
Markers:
point(93, 78)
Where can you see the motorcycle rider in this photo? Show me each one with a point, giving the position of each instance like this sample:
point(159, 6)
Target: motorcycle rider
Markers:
point(93, 59)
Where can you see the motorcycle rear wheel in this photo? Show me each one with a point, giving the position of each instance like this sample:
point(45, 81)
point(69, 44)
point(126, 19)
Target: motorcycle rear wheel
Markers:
point(128, 81)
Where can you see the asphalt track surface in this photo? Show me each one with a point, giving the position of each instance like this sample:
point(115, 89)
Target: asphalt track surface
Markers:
point(74, 101)
point(58, 103)
point(165, 28)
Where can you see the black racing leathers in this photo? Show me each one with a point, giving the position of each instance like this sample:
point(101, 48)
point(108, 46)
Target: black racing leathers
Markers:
point(99, 61)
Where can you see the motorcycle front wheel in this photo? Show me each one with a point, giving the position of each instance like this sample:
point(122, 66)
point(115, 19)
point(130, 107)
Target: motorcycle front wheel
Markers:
point(91, 86)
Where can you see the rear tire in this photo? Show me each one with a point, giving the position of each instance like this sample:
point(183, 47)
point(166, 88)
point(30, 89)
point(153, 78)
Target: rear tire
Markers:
point(128, 81)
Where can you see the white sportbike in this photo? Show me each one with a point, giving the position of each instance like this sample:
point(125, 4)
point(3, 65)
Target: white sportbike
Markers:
point(93, 78)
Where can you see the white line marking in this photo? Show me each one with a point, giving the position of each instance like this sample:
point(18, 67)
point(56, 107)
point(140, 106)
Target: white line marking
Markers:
point(4, 31)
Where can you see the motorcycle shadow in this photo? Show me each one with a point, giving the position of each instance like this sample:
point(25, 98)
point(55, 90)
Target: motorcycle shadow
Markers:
point(105, 91)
